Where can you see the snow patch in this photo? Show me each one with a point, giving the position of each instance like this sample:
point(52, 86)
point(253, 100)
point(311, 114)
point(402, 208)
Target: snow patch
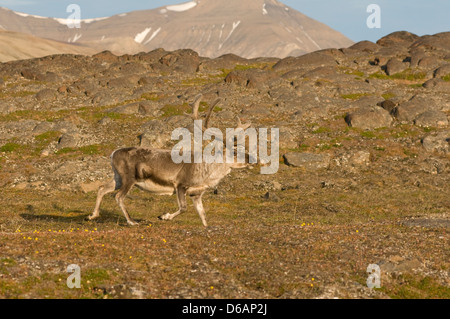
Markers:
point(28, 15)
point(74, 21)
point(93, 20)
point(310, 39)
point(140, 37)
point(75, 38)
point(163, 11)
point(153, 35)
point(122, 15)
point(264, 9)
point(182, 7)
point(235, 25)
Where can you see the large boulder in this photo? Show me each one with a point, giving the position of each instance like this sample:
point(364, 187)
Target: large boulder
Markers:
point(310, 161)
point(46, 95)
point(395, 66)
point(442, 71)
point(407, 112)
point(439, 41)
point(369, 118)
point(309, 60)
point(251, 78)
point(184, 61)
point(438, 142)
point(399, 38)
point(432, 118)
point(437, 84)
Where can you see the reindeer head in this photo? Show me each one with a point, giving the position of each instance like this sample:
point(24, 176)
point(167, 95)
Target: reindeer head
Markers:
point(222, 143)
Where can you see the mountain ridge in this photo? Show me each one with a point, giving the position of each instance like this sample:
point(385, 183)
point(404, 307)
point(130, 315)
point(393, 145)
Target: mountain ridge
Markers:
point(210, 27)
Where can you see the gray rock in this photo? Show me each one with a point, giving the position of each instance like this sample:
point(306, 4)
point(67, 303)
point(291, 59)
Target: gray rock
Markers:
point(314, 59)
point(432, 118)
point(125, 82)
point(251, 78)
point(369, 118)
point(437, 142)
point(388, 105)
point(437, 84)
point(271, 197)
point(399, 38)
point(69, 140)
point(442, 71)
point(428, 62)
point(46, 95)
point(360, 158)
point(309, 161)
point(408, 111)
point(395, 66)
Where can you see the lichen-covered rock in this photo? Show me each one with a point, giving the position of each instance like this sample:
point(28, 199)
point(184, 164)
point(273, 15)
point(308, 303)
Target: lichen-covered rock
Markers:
point(309, 161)
point(369, 118)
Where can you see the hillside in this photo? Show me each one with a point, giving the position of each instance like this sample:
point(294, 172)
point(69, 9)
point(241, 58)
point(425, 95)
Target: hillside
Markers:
point(18, 46)
point(363, 176)
point(210, 27)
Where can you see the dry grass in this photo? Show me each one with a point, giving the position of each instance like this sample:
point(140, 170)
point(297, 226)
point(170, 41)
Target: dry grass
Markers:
point(254, 248)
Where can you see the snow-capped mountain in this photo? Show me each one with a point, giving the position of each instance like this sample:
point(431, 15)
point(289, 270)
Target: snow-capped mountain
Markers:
point(248, 28)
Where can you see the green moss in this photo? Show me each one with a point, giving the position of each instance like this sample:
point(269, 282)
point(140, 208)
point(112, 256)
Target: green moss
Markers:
point(388, 95)
point(91, 149)
point(47, 136)
point(150, 96)
point(379, 75)
point(321, 130)
point(352, 72)
point(66, 150)
point(368, 134)
point(446, 78)
point(354, 96)
point(411, 287)
point(171, 110)
point(10, 147)
point(94, 149)
point(95, 277)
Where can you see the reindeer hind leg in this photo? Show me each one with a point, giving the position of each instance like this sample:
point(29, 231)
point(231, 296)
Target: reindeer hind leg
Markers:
point(120, 197)
point(103, 190)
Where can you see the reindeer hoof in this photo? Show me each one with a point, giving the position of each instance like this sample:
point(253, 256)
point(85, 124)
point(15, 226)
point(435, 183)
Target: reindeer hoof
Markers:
point(132, 223)
point(164, 217)
point(92, 217)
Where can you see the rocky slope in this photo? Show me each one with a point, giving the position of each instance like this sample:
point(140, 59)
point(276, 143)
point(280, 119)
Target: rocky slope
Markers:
point(210, 27)
point(364, 170)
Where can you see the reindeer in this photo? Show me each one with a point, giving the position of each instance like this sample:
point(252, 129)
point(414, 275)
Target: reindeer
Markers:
point(153, 170)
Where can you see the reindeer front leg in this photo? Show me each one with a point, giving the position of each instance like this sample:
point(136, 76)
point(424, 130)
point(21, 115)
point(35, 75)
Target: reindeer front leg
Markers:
point(198, 205)
point(181, 198)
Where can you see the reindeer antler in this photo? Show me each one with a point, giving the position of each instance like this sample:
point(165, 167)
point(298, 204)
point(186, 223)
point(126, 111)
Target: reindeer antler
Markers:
point(211, 109)
point(195, 107)
point(242, 126)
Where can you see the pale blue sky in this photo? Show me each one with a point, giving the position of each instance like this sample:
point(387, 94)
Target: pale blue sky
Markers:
point(347, 16)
